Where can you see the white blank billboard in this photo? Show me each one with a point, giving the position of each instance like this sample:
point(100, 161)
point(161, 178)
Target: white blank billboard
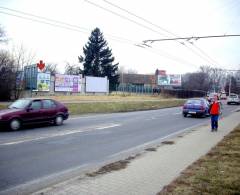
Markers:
point(96, 84)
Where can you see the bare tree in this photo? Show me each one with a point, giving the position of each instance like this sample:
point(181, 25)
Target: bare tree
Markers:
point(206, 79)
point(52, 68)
point(22, 57)
point(6, 71)
point(72, 69)
point(196, 81)
point(217, 77)
point(2, 35)
point(7, 75)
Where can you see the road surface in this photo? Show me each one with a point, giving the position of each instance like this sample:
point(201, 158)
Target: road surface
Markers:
point(38, 156)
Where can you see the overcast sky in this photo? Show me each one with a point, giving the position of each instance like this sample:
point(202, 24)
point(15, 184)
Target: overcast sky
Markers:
point(156, 19)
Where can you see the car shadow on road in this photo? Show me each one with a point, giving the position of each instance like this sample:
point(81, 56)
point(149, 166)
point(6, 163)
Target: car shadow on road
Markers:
point(29, 127)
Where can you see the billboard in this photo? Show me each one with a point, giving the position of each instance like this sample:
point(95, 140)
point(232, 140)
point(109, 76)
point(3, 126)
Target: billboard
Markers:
point(43, 81)
point(175, 79)
point(68, 83)
point(168, 79)
point(97, 84)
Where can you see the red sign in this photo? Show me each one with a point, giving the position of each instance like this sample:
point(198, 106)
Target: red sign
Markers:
point(162, 72)
point(41, 65)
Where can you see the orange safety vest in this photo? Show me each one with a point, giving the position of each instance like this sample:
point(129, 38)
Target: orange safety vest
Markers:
point(215, 108)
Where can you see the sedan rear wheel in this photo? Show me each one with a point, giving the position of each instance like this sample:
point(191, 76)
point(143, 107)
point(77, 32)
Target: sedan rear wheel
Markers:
point(15, 124)
point(58, 120)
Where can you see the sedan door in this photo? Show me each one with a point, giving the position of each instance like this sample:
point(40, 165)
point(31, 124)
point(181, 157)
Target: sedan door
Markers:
point(49, 109)
point(33, 112)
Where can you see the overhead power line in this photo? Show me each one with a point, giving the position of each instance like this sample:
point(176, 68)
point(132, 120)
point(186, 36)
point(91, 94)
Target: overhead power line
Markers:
point(124, 17)
point(199, 52)
point(141, 18)
point(64, 25)
point(194, 38)
point(71, 27)
point(57, 23)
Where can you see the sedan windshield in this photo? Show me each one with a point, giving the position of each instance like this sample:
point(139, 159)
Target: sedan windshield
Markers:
point(194, 102)
point(20, 104)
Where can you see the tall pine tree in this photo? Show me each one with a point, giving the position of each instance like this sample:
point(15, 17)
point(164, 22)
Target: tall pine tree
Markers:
point(97, 59)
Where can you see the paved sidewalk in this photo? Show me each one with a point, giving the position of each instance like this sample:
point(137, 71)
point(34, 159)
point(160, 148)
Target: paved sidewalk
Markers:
point(150, 172)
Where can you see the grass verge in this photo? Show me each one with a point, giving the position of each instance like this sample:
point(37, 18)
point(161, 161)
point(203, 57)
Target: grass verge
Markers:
point(109, 107)
point(79, 108)
point(110, 97)
point(3, 106)
point(216, 173)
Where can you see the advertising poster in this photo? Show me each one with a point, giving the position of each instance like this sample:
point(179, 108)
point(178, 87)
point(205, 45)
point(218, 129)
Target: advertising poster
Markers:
point(68, 83)
point(162, 78)
point(43, 81)
point(175, 79)
point(168, 79)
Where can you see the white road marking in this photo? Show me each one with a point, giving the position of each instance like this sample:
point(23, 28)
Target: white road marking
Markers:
point(39, 138)
point(177, 113)
point(66, 132)
point(110, 126)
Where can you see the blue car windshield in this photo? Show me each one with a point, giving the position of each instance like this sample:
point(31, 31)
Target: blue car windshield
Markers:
point(20, 104)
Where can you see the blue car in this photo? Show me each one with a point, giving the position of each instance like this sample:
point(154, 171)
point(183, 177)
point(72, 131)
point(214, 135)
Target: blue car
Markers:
point(197, 107)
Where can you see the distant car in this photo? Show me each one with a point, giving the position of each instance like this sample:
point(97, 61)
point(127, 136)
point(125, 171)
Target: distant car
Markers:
point(197, 106)
point(233, 99)
point(223, 96)
point(29, 111)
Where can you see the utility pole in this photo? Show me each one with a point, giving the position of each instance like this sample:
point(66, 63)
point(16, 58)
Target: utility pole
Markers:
point(230, 82)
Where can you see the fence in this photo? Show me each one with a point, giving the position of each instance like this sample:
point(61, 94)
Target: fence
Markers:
point(178, 93)
point(134, 89)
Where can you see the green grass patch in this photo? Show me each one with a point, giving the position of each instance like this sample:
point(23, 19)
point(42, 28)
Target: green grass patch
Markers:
point(110, 97)
point(109, 107)
point(216, 173)
point(79, 108)
point(2, 106)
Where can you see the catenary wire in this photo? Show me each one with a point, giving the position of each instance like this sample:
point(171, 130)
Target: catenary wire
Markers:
point(78, 30)
point(199, 53)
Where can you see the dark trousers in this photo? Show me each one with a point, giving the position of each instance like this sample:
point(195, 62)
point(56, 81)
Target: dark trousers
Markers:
point(214, 122)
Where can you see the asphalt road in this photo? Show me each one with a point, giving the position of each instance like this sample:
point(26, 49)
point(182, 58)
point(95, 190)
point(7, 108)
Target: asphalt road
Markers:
point(39, 155)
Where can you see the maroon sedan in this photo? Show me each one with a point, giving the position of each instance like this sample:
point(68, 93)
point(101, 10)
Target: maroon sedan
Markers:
point(28, 111)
